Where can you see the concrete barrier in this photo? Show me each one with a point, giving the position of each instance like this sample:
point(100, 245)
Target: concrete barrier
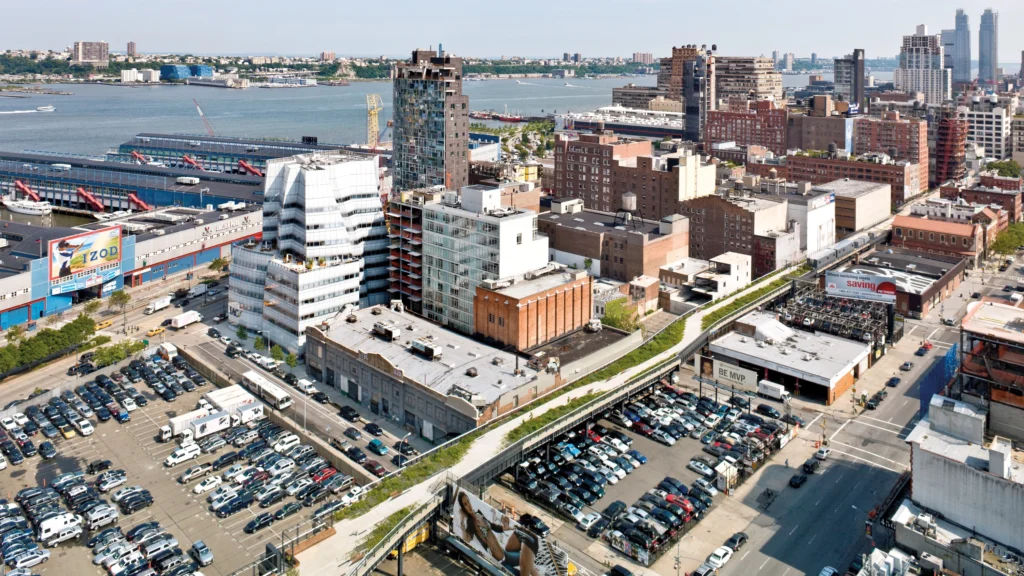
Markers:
point(328, 452)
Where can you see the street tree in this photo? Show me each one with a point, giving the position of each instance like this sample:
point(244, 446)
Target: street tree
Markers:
point(120, 299)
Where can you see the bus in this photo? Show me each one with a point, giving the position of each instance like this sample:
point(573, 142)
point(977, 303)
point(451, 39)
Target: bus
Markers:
point(266, 390)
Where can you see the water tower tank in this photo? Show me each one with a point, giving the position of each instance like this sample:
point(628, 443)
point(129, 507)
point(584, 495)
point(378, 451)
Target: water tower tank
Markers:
point(629, 202)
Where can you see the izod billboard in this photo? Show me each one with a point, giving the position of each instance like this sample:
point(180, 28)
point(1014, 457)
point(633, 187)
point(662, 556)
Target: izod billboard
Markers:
point(860, 286)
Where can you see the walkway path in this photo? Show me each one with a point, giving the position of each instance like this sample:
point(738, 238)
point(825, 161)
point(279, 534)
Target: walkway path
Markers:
point(331, 556)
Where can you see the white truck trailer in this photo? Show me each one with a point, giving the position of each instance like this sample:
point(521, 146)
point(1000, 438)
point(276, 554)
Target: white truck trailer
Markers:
point(203, 427)
point(182, 320)
point(197, 290)
point(773, 390)
point(236, 401)
point(158, 304)
point(178, 424)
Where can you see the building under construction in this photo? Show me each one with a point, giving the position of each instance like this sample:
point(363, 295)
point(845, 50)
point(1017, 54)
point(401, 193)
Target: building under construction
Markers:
point(950, 154)
point(992, 364)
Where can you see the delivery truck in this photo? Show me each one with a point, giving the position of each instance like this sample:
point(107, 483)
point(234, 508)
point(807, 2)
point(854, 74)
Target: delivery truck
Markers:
point(182, 320)
point(236, 401)
point(197, 290)
point(203, 427)
point(167, 351)
point(178, 424)
point(773, 390)
point(158, 304)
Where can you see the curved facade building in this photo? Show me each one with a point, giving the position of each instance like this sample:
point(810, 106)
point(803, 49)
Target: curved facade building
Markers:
point(324, 247)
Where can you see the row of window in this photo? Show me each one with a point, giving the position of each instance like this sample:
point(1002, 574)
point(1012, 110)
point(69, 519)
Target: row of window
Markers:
point(931, 237)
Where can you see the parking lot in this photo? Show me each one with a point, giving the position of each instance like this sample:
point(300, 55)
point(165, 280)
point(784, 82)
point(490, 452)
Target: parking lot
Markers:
point(134, 447)
point(602, 545)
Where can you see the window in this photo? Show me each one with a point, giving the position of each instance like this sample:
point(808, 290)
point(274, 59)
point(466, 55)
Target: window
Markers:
point(501, 321)
point(931, 237)
point(490, 318)
point(899, 232)
point(519, 238)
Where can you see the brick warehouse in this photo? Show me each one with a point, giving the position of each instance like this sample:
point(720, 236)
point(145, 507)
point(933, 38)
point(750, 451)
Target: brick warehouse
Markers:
point(533, 312)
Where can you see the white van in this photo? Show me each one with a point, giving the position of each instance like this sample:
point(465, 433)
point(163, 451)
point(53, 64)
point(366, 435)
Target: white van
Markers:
point(159, 546)
point(1016, 297)
point(306, 387)
point(100, 517)
point(54, 526)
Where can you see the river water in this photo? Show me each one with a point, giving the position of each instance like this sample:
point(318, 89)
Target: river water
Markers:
point(97, 118)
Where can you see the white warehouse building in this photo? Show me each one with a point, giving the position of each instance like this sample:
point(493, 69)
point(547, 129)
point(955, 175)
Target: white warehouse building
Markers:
point(324, 247)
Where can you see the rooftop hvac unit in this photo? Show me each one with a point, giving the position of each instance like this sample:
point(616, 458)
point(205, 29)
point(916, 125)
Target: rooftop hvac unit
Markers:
point(387, 330)
point(471, 372)
point(376, 311)
point(426, 349)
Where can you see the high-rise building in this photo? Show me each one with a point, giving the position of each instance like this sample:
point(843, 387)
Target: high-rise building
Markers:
point(922, 67)
point(645, 58)
point(324, 247)
point(761, 123)
point(327, 56)
point(565, 57)
point(789, 61)
point(95, 54)
point(988, 47)
point(948, 40)
point(962, 49)
point(670, 75)
point(775, 56)
point(698, 93)
point(814, 59)
point(431, 123)
point(131, 50)
point(900, 138)
point(752, 78)
point(950, 149)
point(849, 78)
point(577, 58)
point(989, 120)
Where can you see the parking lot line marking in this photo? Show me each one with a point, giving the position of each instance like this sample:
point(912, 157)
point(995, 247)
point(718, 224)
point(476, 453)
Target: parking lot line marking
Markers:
point(866, 461)
point(811, 423)
point(812, 539)
point(868, 452)
point(744, 555)
point(794, 529)
point(765, 562)
point(818, 502)
point(838, 430)
point(840, 477)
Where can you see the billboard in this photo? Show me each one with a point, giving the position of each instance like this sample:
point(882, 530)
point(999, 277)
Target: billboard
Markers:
point(860, 286)
point(84, 252)
point(713, 370)
point(498, 538)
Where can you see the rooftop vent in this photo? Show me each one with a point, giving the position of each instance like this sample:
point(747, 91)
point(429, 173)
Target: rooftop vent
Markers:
point(471, 372)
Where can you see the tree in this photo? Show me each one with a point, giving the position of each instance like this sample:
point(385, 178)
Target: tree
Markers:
point(218, 264)
point(587, 263)
point(259, 344)
point(242, 333)
point(1005, 168)
point(291, 360)
point(92, 307)
point(277, 353)
point(618, 315)
point(120, 299)
point(15, 333)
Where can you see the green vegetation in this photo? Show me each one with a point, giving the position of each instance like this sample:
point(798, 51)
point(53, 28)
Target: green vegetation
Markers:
point(618, 315)
point(534, 424)
point(1005, 168)
point(259, 343)
point(291, 360)
point(412, 475)
point(46, 342)
point(384, 528)
point(92, 307)
point(277, 353)
point(120, 299)
point(1008, 240)
point(242, 333)
point(711, 318)
point(107, 355)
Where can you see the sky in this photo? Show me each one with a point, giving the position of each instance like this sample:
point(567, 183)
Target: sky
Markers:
point(530, 28)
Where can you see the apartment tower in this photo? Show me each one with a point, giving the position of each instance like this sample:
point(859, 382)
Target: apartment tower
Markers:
point(988, 48)
point(922, 67)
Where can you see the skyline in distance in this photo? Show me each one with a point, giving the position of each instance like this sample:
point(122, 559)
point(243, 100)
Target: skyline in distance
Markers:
point(605, 27)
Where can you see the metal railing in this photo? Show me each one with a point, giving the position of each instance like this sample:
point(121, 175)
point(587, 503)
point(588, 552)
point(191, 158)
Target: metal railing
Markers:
point(379, 551)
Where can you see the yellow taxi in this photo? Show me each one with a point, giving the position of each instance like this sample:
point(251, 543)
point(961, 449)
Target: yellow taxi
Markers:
point(156, 331)
point(104, 324)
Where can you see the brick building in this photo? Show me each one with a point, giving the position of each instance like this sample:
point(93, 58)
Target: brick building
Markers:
point(532, 312)
point(747, 77)
point(965, 240)
point(900, 138)
point(950, 156)
point(583, 165)
point(859, 205)
point(806, 132)
point(639, 97)
point(670, 74)
point(609, 246)
point(992, 179)
point(1009, 200)
point(903, 177)
point(757, 123)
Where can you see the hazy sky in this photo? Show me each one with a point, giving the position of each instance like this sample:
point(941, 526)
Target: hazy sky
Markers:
point(534, 28)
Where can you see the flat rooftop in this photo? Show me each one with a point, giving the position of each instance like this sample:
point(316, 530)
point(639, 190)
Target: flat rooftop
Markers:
point(995, 320)
point(459, 353)
point(144, 225)
point(604, 223)
point(251, 147)
point(850, 188)
point(527, 288)
point(688, 266)
point(818, 358)
point(318, 160)
point(128, 167)
point(574, 346)
point(974, 455)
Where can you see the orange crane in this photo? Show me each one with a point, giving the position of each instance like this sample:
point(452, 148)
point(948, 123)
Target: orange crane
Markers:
point(209, 127)
point(24, 189)
point(142, 159)
point(192, 163)
point(249, 168)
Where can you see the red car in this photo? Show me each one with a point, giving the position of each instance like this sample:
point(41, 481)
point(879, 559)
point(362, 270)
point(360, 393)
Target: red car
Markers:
point(593, 436)
point(374, 467)
point(763, 435)
point(643, 428)
point(324, 475)
point(685, 504)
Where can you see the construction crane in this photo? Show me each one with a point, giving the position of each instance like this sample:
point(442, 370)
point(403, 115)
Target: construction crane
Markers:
point(374, 105)
point(209, 127)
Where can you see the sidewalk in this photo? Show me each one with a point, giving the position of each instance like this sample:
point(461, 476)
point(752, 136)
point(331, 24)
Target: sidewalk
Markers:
point(331, 556)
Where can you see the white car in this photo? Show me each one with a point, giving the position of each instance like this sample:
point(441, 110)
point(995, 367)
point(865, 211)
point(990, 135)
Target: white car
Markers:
point(616, 443)
point(706, 486)
point(225, 339)
point(719, 557)
point(733, 414)
point(223, 490)
point(129, 404)
point(115, 550)
point(233, 471)
point(297, 485)
point(288, 442)
point(823, 453)
point(207, 485)
point(712, 420)
point(124, 493)
point(20, 419)
point(588, 521)
point(8, 423)
point(124, 563)
point(608, 474)
point(700, 468)
point(85, 427)
point(616, 469)
point(638, 512)
point(112, 482)
point(183, 454)
point(31, 558)
point(352, 496)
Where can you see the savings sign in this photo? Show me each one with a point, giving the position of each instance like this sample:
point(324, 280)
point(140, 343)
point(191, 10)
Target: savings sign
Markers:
point(860, 286)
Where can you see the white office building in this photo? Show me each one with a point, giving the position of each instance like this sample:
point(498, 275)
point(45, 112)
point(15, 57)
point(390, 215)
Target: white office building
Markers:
point(922, 67)
point(990, 124)
point(324, 247)
point(469, 238)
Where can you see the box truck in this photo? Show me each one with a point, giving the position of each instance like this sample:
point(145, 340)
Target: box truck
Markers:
point(203, 427)
point(178, 424)
point(197, 290)
point(237, 402)
point(167, 351)
point(158, 304)
point(773, 390)
point(182, 320)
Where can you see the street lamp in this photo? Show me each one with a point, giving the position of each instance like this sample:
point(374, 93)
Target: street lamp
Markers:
point(401, 456)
